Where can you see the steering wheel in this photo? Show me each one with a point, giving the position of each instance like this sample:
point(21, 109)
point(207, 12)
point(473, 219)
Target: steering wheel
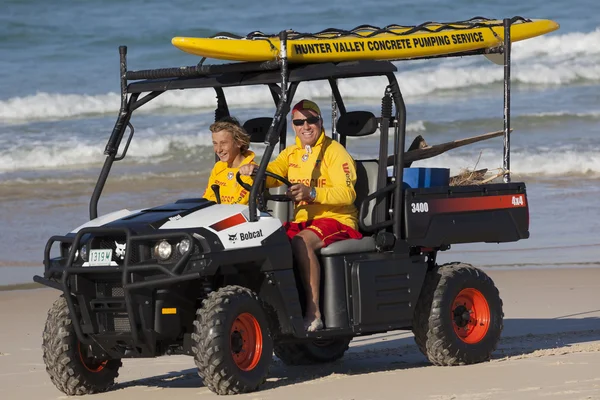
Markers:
point(266, 195)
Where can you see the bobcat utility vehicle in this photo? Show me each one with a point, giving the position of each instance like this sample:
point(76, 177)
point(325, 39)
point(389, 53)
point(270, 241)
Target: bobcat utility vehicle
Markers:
point(218, 282)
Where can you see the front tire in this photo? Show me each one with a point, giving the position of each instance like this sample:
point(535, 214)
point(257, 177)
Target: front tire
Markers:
point(315, 352)
point(459, 317)
point(70, 364)
point(232, 344)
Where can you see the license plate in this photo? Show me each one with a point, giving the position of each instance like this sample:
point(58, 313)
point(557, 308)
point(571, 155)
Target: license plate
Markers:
point(100, 257)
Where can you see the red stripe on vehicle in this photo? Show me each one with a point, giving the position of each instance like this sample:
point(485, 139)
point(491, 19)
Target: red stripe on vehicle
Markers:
point(477, 203)
point(228, 222)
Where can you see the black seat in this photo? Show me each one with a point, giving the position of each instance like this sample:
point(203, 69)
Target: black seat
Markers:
point(356, 124)
point(257, 128)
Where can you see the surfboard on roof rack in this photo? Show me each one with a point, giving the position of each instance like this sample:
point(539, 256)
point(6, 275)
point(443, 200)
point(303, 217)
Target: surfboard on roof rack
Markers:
point(393, 42)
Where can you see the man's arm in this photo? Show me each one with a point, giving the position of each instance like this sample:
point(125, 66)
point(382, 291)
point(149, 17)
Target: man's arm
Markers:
point(342, 173)
point(279, 166)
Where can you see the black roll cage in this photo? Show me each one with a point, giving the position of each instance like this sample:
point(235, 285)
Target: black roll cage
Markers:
point(282, 80)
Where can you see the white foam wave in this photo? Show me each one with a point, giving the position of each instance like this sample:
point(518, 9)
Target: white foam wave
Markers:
point(559, 46)
point(547, 163)
point(451, 77)
point(546, 60)
point(92, 179)
point(540, 162)
point(191, 141)
point(44, 106)
point(67, 153)
point(417, 126)
point(51, 106)
point(590, 114)
point(54, 106)
point(151, 146)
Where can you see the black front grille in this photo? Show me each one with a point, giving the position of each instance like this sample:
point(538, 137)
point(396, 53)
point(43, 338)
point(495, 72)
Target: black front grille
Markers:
point(110, 295)
point(109, 290)
point(114, 322)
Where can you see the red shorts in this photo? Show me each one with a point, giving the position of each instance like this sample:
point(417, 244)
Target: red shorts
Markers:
point(327, 229)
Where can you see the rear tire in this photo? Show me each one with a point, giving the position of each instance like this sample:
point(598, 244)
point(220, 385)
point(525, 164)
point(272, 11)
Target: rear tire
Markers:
point(68, 362)
point(231, 341)
point(316, 352)
point(420, 324)
point(458, 319)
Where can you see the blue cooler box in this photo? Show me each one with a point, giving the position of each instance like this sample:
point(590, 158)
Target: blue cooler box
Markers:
point(426, 177)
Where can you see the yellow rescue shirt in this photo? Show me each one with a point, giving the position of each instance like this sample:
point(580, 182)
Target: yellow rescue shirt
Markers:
point(328, 168)
point(230, 190)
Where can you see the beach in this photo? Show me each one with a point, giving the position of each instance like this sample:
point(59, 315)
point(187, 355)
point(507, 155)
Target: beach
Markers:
point(550, 349)
point(59, 98)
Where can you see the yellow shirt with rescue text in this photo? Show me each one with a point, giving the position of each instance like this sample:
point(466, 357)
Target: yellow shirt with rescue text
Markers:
point(330, 170)
point(230, 190)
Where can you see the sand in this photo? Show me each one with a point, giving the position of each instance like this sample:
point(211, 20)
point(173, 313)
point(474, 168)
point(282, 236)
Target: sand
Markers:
point(550, 349)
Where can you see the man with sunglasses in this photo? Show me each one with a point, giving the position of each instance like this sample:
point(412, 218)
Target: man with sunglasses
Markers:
point(323, 174)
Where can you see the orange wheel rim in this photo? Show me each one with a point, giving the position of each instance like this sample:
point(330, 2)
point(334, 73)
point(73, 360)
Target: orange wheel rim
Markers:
point(470, 315)
point(90, 363)
point(246, 342)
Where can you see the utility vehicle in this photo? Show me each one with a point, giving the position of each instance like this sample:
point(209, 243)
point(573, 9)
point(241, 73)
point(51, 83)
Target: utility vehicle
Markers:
point(217, 282)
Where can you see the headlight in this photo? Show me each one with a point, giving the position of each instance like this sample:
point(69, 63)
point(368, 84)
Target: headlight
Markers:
point(184, 246)
point(84, 253)
point(163, 250)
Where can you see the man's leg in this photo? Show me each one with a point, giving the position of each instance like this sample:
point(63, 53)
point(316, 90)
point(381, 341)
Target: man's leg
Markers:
point(304, 245)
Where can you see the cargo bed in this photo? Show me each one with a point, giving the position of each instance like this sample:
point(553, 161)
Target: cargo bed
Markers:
point(440, 216)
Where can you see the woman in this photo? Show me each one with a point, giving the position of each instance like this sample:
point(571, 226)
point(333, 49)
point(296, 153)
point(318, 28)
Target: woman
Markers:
point(230, 143)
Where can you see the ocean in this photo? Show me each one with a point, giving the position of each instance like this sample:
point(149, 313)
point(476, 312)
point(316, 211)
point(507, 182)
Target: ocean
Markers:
point(59, 85)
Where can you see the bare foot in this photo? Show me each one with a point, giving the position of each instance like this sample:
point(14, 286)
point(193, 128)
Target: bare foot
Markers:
point(313, 324)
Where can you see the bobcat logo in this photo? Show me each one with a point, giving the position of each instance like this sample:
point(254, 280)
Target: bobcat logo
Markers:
point(233, 238)
point(120, 250)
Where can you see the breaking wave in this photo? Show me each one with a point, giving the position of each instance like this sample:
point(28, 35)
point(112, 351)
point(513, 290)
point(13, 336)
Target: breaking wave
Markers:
point(546, 60)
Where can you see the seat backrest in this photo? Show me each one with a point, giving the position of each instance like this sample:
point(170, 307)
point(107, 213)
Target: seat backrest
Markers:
point(356, 124)
point(257, 128)
point(366, 183)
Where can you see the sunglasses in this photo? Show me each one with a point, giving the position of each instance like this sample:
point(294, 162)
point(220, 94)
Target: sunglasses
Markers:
point(310, 120)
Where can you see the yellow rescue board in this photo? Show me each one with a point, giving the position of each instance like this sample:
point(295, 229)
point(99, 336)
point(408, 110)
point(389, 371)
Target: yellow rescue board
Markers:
point(395, 44)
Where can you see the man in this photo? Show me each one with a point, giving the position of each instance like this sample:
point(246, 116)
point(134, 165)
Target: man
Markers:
point(323, 174)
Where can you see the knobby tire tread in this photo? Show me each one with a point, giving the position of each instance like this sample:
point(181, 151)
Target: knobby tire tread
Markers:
point(442, 347)
point(210, 330)
point(62, 359)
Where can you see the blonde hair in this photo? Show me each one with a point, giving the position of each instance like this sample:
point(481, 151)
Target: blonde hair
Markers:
point(239, 134)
